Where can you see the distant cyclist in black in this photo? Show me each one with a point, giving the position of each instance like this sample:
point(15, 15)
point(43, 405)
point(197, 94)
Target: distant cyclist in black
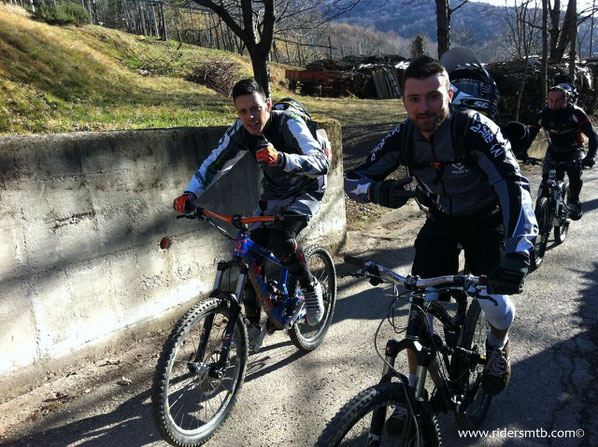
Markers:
point(565, 123)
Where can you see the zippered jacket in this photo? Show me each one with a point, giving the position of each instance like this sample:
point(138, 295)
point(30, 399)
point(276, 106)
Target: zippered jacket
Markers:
point(303, 165)
point(489, 177)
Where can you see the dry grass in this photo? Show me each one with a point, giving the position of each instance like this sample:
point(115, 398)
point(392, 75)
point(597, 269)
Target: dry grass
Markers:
point(63, 79)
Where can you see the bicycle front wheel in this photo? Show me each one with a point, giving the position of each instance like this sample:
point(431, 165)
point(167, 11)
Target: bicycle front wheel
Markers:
point(307, 338)
point(360, 421)
point(562, 229)
point(193, 393)
point(542, 212)
point(475, 331)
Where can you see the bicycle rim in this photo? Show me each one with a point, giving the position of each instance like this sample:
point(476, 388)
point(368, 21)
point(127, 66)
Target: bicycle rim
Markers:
point(352, 424)
point(304, 337)
point(561, 231)
point(475, 331)
point(542, 212)
point(191, 399)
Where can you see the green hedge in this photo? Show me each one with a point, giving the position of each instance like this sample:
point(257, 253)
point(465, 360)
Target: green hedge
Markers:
point(63, 13)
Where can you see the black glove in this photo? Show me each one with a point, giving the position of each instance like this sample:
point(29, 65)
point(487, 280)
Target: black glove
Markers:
point(391, 193)
point(588, 162)
point(507, 278)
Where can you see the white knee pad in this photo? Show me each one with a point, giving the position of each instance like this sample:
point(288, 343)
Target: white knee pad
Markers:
point(500, 314)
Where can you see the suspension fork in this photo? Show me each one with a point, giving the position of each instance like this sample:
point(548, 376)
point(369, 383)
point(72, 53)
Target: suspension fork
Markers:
point(233, 302)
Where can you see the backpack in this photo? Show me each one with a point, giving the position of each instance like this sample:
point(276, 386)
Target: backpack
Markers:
point(458, 127)
point(297, 110)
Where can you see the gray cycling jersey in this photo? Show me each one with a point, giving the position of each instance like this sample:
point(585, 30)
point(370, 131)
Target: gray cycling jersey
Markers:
point(490, 177)
point(304, 160)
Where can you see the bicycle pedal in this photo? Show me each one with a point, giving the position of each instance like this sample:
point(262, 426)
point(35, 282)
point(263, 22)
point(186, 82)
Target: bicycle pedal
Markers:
point(297, 315)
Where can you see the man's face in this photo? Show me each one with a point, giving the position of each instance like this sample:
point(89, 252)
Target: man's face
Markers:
point(427, 102)
point(556, 100)
point(253, 111)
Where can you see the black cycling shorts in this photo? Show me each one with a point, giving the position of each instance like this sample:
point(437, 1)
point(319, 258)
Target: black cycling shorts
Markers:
point(437, 245)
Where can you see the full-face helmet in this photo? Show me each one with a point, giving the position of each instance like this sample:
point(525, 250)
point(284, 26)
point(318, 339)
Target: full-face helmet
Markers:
point(474, 88)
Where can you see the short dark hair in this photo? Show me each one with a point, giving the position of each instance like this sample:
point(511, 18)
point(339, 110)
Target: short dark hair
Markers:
point(423, 67)
point(247, 87)
point(558, 88)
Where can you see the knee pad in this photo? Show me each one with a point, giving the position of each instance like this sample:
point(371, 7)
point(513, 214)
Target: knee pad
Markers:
point(500, 314)
point(283, 247)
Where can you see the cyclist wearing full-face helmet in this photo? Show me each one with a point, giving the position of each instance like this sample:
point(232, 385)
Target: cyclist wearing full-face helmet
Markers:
point(474, 88)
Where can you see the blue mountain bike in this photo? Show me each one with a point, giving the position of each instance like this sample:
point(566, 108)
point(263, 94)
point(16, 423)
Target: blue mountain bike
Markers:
point(202, 366)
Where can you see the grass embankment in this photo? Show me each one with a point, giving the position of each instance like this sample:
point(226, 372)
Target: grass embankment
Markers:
point(64, 79)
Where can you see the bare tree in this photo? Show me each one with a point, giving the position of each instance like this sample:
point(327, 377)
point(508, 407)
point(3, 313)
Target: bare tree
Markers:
point(522, 21)
point(256, 21)
point(443, 23)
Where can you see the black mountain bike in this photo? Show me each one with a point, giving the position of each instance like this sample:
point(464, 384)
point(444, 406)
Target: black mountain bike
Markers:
point(552, 210)
point(454, 363)
point(202, 366)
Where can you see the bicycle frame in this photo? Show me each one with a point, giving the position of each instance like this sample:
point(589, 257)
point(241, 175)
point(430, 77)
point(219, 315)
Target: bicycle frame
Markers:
point(429, 348)
point(245, 255)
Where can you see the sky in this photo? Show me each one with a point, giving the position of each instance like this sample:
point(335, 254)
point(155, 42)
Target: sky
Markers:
point(580, 3)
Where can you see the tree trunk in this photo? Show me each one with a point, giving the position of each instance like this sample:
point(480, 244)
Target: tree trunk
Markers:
point(261, 73)
point(565, 35)
point(443, 26)
point(555, 17)
point(544, 69)
point(572, 38)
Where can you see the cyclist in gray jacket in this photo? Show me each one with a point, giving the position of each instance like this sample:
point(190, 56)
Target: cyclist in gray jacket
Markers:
point(477, 196)
point(294, 165)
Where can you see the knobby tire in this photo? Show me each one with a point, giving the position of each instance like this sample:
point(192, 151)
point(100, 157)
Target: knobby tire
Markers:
point(307, 338)
point(562, 229)
point(189, 406)
point(542, 212)
point(350, 426)
point(475, 331)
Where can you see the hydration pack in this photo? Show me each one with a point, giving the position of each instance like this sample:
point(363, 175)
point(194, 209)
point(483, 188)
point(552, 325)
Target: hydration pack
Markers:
point(296, 110)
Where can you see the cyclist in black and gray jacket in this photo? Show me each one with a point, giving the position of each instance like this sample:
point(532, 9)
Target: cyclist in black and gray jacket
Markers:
point(477, 195)
point(565, 122)
point(294, 164)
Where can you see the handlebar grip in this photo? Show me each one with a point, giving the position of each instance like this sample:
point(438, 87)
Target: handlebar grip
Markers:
point(353, 260)
point(483, 280)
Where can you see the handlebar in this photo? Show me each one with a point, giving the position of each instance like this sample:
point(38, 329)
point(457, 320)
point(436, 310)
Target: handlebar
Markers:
point(381, 273)
point(239, 220)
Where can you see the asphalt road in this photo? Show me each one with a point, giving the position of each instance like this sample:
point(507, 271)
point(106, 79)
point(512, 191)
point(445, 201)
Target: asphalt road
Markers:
point(288, 397)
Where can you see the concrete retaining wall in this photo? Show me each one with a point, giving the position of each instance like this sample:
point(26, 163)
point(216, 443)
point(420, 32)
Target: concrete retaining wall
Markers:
point(82, 216)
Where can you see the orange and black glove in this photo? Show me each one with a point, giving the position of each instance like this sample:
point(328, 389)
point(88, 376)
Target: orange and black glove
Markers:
point(267, 155)
point(184, 202)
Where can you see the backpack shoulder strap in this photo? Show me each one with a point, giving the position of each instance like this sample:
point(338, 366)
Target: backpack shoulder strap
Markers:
point(407, 154)
point(459, 125)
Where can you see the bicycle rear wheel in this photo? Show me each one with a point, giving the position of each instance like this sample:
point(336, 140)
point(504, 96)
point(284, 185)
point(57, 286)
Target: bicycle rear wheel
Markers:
point(307, 338)
point(191, 398)
point(542, 212)
point(352, 424)
point(562, 229)
point(475, 331)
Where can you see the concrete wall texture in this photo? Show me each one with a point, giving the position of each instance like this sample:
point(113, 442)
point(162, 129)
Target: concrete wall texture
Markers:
point(82, 216)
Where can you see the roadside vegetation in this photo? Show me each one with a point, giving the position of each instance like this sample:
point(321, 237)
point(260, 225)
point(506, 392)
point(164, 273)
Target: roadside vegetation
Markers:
point(70, 78)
